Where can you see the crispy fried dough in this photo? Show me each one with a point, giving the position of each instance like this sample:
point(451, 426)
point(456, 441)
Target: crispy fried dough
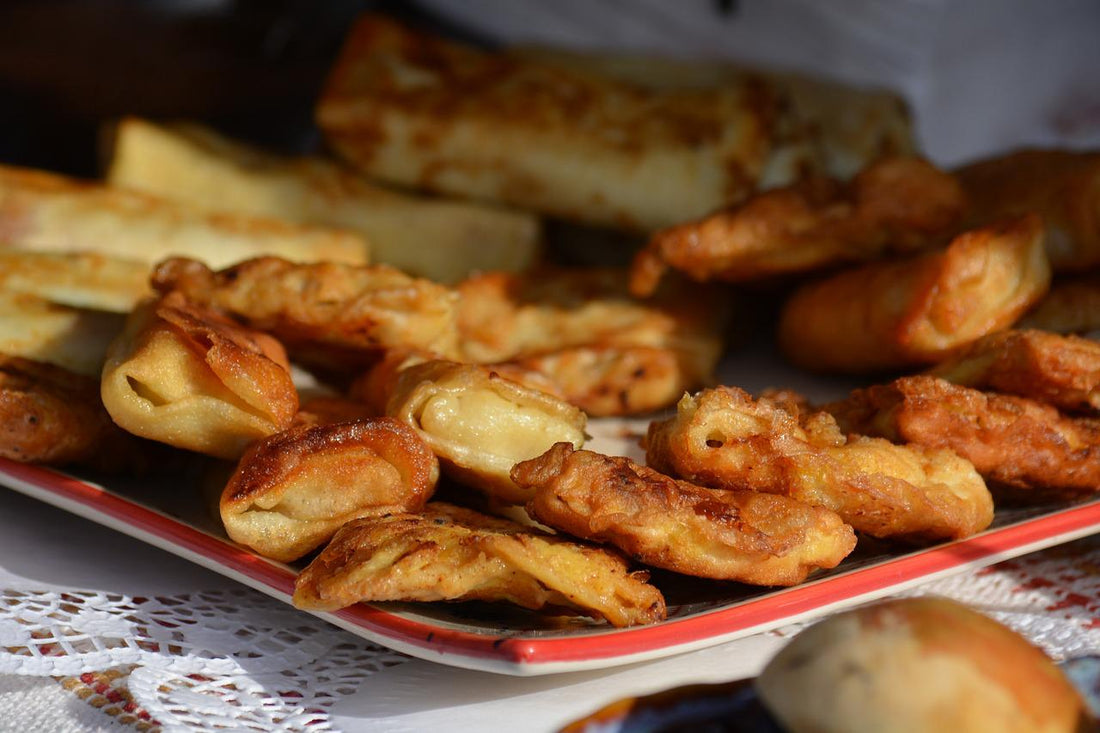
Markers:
point(292, 490)
point(193, 379)
point(329, 409)
point(896, 205)
point(1071, 306)
point(916, 311)
point(76, 279)
point(73, 338)
point(1010, 440)
point(725, 439)
point(762, 539)
point(448, 553)
point(1063, 371)
point(338, 316)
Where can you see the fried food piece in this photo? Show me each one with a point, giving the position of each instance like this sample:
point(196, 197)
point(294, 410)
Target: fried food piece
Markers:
point(76, 279)
point(43, 212)
point(1063, 371)
point(480, 424)
point(896, 205)
point(329, 409)
point(421, 111)
point(1013, 441)
point(292, 490)
point(448, 553)
point(340, 316)
point(916, 311)
point(1060, 185)
point(190, 378)
point(761, 539)
point(1071, 306)
point(73, 338)
point(725, 439)
point(440, 240)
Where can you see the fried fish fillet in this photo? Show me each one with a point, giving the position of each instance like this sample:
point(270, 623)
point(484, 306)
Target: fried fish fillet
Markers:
point(73, 338)
point(896, 205)
point(43, 212)
point(292, 490)
point(1060, 185)
point(421, 111)
point(762, 539)
point(1013, 441)
point(441, 240)
point(1071, 306)
point(447, 553)
point(723, 438)
point(341, 316)
point(916, 311)
point(1063, 371)
point(76, 279)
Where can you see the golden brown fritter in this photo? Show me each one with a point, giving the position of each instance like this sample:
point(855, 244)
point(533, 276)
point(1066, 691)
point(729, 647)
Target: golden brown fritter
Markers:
point(762, 539)
point(293, 490)
point(1063, 371)
point(447, 553)
point(723, 438)
point(341, 316)
point(915, 311)
point(329, 409)
point(1011, 440)
point(1071, 306)
point(894, 205)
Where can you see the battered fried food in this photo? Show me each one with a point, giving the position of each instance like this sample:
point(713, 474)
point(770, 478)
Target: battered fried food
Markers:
point(481, 424)
point(1071, 306)
point(1060, 185)
point(725, 439)
point(1011, 440)
point(44, 212)
point(762, 539)
point(339, 316)
point(73, 338)
point(916, 311)
point(76, 279)
point(1063, 371)
point(448, 553)
point(292, 490)
point(190, 378)
point(896, 205)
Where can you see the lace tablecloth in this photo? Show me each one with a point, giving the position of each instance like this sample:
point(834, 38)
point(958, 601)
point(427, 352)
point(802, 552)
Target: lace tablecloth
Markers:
point(100, 632)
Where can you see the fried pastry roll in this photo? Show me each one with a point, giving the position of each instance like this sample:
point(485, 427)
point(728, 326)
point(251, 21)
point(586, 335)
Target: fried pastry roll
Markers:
point(190, 378)
point(1071, 306)
point(441, 240)
point(724, 439)
point(1060, 185)
point(44, 212)
point(481, 424)
point(328, 409)
point(73, 338)
point(292, 490)
point(1063, 371)
point(76, 279)
point(1012, 441)
point(915, 311)
point(447, 553)
point(896, 205)
point(761, 539)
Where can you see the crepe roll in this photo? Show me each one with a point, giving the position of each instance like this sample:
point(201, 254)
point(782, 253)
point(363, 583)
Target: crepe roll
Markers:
point(190, 378)
point(76, 279)
point(481, 424)
point(1071, 306)
point(292, 490)
point(917, 311)
point(73, 338)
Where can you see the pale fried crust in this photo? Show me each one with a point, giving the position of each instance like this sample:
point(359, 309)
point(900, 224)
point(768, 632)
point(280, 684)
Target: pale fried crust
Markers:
point(894, 205)
point(762, 539)
point(76, 279)
point(725, 439)
point(1063, 371)
point(1010, 440)
point(909, 312)
point(293, 490)
point(447, 553)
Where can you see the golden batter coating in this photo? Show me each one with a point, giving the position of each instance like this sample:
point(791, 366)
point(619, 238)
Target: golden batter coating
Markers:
point(723, 438)
point(480, 424)
point(447, 553)
point(750, 537)
point(1013, 441)
point(1063, 371)
point(340, 315)
point(292, 490)
point(894, 205)
point(1071, 306)
point(908, 312)
point(191, 378)
point(76, 279)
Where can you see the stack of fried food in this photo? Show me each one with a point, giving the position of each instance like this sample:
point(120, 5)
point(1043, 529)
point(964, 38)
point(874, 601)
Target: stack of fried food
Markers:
point(155, 319)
